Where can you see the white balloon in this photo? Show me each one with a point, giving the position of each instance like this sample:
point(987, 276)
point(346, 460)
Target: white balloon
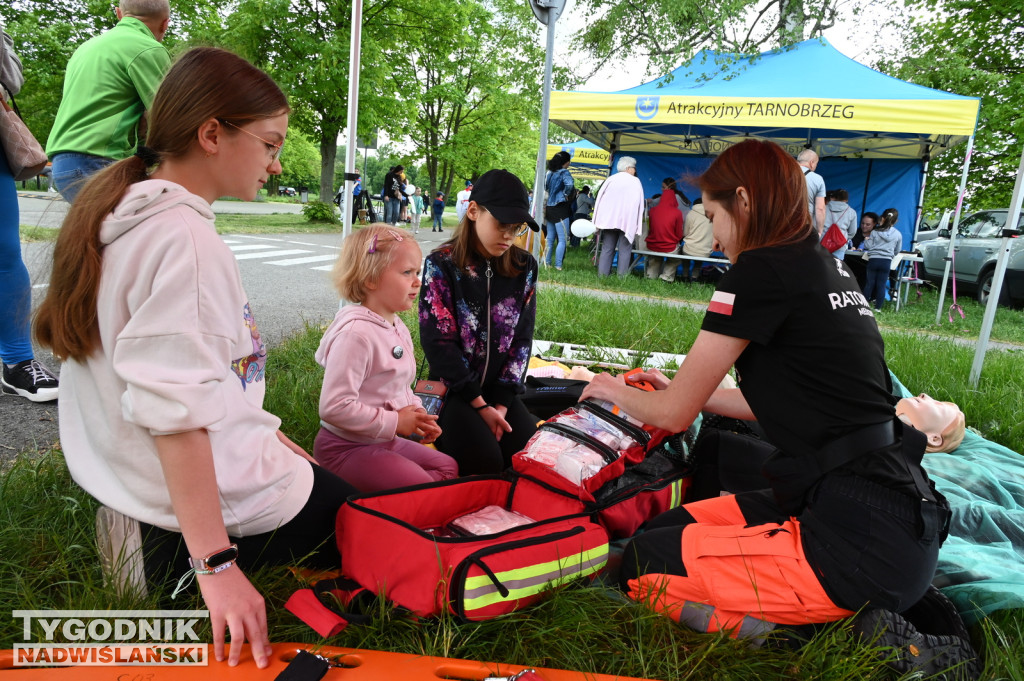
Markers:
point(410, 190)
point(582, 228)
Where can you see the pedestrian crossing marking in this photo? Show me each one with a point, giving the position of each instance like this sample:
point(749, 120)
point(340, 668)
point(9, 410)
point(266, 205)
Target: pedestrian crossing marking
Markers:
point(251, 247)
point(303, 261)
point(268, 254)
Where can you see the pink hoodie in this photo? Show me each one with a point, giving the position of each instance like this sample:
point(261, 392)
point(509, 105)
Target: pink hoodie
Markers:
point(369, 367)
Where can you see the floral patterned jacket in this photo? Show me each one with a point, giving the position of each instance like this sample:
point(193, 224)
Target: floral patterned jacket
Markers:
point(453, 326)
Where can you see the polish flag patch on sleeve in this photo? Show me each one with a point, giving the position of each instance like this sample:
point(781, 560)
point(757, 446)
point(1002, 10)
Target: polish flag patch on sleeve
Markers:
point(722, 302)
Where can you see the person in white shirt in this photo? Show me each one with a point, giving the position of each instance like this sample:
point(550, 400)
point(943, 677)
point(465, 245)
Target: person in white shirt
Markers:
point(619, 213)
point(462, 201)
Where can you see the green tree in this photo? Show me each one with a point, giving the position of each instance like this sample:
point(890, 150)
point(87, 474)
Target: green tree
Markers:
point(974, 49)
point(666, 33)
point(469, 86)
point(305, 45)
point(300, 162)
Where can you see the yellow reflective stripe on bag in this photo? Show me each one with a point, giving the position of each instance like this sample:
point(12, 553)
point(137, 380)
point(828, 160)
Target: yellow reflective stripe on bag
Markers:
point(483, 587)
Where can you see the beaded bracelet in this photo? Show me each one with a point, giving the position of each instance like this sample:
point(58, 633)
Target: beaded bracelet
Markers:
point(215, 570)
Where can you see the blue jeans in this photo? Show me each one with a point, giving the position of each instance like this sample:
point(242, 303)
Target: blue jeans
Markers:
point(71, 170)
point(877, 280)
point(437, 222)
point(556, 231)
point(392, 207)
point(15, 287)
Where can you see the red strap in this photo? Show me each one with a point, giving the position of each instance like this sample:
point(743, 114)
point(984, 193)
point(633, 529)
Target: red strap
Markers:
point(312, 606)
point(307, 607)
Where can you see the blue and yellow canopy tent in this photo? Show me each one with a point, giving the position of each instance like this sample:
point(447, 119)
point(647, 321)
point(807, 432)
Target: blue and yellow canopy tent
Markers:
point(875, 134)
point(590, 163)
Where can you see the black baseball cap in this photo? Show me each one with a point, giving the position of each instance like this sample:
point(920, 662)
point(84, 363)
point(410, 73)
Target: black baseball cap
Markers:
point(504, 196)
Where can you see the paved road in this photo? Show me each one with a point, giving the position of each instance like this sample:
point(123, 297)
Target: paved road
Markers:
point(285, 275)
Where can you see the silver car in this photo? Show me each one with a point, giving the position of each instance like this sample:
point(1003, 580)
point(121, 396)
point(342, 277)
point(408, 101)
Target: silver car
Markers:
point(975, 253)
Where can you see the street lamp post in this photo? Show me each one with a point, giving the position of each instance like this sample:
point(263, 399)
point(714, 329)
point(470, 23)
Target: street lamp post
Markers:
point(547, 13)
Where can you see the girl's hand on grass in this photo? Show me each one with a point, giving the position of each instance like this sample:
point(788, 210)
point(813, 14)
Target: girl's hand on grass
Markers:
point(494, 417)
point(236, 606)
point(604, 386)
point(653, 376)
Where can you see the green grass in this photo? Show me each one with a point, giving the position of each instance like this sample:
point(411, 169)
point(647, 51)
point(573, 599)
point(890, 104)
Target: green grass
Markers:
point(48, 561)
point(918, 315)
point(33, 233)
point(277, 223)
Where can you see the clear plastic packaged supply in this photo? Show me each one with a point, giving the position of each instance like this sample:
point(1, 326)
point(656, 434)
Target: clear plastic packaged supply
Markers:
point(579, 464)
point(608, 406)
point(489, 520)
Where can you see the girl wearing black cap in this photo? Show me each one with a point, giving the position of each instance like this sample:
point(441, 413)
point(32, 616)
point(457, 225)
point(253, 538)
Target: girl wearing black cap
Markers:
point(477, 309)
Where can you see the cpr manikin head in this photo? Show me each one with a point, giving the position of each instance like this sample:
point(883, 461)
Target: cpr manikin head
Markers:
point(942, 422)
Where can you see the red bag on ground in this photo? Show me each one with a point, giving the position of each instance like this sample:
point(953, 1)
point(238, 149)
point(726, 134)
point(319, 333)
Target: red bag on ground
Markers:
point(402, 544)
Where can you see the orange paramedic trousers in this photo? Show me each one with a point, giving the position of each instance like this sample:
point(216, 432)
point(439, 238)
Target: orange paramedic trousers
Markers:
point(738, 579)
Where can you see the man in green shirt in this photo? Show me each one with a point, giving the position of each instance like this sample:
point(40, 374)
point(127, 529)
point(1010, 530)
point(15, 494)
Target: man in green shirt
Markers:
point(109, 85)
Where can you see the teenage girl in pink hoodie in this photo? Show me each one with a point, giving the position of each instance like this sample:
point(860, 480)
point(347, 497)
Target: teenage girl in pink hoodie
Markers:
point(367, 407)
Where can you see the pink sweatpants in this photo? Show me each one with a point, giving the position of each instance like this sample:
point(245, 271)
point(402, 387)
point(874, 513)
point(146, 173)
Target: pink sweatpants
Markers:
point(382, 465)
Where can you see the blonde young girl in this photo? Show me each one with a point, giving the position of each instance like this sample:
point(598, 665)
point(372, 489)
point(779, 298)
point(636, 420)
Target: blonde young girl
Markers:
point(367, 408)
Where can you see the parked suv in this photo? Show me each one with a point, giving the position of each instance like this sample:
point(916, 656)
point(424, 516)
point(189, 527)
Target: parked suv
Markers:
point(975, 253)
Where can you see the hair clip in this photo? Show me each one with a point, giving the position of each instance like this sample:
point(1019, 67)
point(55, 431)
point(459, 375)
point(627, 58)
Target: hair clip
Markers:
point(373, 243)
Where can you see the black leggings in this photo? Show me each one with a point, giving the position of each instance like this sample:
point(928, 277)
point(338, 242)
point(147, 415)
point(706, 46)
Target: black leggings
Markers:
point(466, 438)
point(310, 533)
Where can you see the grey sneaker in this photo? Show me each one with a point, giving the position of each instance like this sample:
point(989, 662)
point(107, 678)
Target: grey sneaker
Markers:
point(31, 380)
point(119, 541)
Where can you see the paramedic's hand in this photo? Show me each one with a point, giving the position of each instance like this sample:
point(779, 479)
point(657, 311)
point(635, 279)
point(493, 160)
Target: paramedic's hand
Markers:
point(494, 417)
point(604, 386)
point(295, 448)
point(659, 380)
point(413, 419)
point(235, 604)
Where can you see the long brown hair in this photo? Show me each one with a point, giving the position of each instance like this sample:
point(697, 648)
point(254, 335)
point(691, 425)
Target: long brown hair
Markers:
point(203, 83)
point(776, 190)
point(465, 246)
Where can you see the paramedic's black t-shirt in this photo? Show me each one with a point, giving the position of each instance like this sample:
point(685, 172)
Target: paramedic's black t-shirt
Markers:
point(814, 369)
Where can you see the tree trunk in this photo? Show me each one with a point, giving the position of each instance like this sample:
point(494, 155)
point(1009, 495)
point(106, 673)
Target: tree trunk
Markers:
point(791, 22)
point(328, 154)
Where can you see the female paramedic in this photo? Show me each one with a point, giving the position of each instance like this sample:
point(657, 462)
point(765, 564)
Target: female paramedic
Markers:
point(850, 518)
